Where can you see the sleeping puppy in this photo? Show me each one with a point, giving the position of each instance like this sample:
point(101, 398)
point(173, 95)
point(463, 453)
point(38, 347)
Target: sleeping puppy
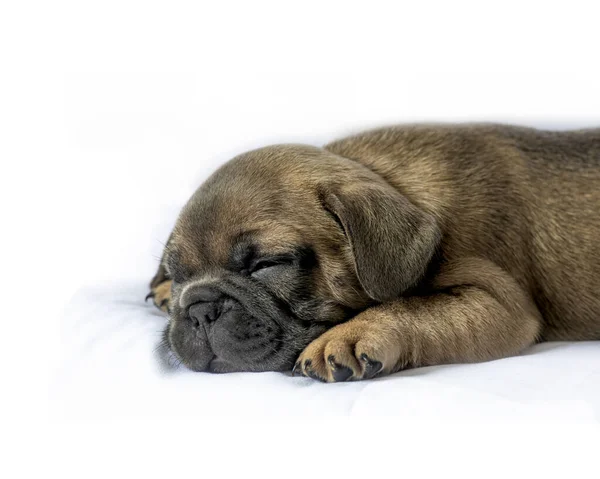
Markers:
point(396, 248)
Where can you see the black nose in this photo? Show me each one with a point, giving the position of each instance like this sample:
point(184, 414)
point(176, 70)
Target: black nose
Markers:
point(204, 312)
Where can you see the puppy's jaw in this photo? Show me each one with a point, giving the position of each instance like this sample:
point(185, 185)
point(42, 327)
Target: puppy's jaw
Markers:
point(256, 333)
point(271, 353)
point(189, 345)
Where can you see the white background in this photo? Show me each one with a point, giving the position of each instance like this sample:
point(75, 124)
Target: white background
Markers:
point(112, 112)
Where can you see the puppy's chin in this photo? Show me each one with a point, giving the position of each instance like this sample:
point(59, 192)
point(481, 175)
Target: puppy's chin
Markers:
point(169, 359)
point(189, 345)
point(218, 366)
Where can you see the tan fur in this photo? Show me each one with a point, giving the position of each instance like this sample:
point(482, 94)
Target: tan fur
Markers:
point(527, 200)
point(482, 315)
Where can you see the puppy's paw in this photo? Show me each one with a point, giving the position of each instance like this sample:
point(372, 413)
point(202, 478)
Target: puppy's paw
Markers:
point(161, 295)
point(349, 351)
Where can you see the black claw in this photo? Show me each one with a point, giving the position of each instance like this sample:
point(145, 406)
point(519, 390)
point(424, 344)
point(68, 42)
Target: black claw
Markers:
point(310, 373)
point(163, 302)
point(149, 295)
point(340, 372)
point(372, 368)
point(297, 369)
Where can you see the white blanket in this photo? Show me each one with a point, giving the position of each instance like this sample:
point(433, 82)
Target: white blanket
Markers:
point(109, 370)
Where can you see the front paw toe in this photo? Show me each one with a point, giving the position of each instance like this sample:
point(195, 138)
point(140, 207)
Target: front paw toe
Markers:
point(310, 372)
point(371, 367)
point(339, 372)
point(348, 352)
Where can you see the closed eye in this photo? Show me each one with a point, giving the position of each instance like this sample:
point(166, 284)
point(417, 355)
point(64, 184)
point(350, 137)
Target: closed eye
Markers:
point(271, 262)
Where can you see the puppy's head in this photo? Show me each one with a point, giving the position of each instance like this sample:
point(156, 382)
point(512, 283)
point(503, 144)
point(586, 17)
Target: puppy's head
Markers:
point(279, 245)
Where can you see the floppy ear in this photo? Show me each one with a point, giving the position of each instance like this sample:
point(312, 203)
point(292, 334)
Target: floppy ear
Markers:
point(391, 239)
point(161, 275)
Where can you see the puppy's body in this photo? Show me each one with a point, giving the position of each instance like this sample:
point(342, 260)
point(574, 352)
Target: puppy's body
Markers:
point(527, 200)
point(430, 244)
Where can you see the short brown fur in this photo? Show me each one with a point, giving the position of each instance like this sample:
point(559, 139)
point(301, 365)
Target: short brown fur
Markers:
point(455, 243)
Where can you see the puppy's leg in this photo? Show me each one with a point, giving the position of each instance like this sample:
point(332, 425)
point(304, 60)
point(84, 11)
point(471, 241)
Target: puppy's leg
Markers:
point(479, 313)
point(160, 289)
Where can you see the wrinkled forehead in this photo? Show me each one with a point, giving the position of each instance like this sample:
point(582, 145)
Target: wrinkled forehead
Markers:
point(207, 247)
point(256, 204)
